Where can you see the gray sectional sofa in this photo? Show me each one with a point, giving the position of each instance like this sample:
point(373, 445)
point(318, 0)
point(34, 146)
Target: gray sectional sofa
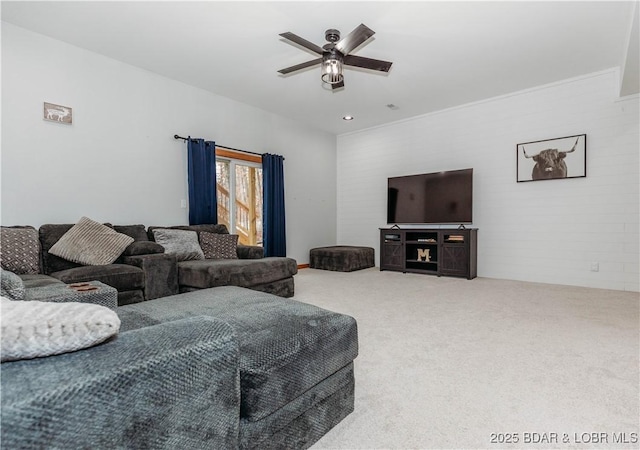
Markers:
point(203, 355)
point(251, 270)
point(218, 368)
point(145, 272)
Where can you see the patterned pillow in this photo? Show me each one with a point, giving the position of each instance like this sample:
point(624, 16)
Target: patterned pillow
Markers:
point(182, 243)
point(219, 246)
point(20, 250)
point(11, 285)
point(33, 329)
point(91, 243)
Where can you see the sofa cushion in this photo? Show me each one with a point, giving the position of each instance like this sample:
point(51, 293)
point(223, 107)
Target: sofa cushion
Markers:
point(123, 277)
point(140, 245)
point(39, 280)
point(250, 252)
point(49, 234)
point(219, 246)
point(20, 249)
point(181, 243)
point(143, 248)
point(209, 227)
point(172, 387)
point(91, 243)
point(286, 347)
point(11, 285)
point(33, 329)
point(137, 232)
point(234, 272)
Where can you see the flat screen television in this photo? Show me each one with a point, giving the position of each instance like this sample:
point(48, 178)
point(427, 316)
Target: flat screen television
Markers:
point(435, 198)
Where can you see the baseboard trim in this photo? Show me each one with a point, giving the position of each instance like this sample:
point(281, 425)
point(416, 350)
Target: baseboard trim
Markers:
point(303, 266)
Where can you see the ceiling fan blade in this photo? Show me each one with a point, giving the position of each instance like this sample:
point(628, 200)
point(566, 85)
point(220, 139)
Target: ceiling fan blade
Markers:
point(367, 63)
point(303, 42)
point(337, 85)
point(304, 65)
point(360, 34)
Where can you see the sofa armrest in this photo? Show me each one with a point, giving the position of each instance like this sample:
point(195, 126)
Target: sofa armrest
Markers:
point(250, 252)
point(160, 274)
point(171, 385)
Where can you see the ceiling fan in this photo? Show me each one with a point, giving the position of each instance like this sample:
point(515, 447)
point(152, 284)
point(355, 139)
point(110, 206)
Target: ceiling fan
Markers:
point(335, 54)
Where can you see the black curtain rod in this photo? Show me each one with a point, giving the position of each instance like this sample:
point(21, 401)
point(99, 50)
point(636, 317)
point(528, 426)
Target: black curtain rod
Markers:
point(175, 136)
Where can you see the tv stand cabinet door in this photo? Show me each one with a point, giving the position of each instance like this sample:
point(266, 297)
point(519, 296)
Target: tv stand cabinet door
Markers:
point(391, 250)
point(459, 259)
point(455, 261)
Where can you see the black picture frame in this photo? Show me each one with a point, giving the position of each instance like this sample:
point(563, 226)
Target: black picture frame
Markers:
point(552, 159)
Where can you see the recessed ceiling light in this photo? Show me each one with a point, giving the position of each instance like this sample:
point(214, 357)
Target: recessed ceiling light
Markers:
point(347, 118)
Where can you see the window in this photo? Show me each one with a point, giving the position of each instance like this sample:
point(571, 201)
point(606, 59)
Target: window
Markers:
point(239, 185)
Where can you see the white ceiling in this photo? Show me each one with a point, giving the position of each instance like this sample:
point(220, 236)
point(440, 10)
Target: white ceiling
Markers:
point(444, 53)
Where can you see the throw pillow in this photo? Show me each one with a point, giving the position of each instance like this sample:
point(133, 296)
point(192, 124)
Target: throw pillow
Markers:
point(184, 244)
point(20, 250)
point(91, 243)
point(33, 329)
point(11, 285)
point(219, 246)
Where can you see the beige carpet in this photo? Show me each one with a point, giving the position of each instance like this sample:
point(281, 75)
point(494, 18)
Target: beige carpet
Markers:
point(451, 363)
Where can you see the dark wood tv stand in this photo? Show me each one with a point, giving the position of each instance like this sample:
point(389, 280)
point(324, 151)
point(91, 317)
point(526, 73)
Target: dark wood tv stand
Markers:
point(436, 251)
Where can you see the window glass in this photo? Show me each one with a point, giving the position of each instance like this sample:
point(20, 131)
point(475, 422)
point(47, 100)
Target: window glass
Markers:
point(239, 185)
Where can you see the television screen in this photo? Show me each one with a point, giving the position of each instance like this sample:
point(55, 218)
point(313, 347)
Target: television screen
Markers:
point(440, 197)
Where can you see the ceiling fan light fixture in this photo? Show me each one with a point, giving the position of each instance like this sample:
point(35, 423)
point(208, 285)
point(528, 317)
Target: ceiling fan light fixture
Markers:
point(332, 71)
point(336, 54)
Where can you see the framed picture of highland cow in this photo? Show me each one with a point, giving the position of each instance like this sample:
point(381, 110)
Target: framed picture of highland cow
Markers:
point(552, 159)
point(57, 113)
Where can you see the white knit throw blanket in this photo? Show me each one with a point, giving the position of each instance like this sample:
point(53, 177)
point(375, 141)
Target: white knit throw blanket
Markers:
point(31, 329)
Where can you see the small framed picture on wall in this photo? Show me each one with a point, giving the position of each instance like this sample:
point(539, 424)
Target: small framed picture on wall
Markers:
point(58, 113)
point(549, 159)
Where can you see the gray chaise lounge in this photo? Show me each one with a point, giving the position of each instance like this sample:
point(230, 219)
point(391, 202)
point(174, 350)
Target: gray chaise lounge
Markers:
point(251, 270)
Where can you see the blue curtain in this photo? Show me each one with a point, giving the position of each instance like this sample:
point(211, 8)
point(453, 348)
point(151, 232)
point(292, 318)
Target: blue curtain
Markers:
point(274, 229)
point(203, 207)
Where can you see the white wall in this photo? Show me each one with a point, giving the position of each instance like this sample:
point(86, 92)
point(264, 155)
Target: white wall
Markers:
point(545, 231)
point(118, 162)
